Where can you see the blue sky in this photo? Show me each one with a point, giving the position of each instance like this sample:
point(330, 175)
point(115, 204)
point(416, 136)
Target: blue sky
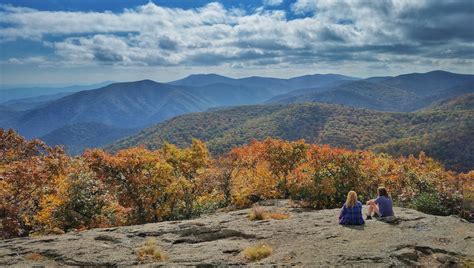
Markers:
point(86, 41)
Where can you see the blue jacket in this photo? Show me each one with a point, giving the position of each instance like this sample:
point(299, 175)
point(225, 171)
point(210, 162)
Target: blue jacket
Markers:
point(352, 216)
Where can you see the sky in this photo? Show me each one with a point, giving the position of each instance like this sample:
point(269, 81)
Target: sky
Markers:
point(89, 41)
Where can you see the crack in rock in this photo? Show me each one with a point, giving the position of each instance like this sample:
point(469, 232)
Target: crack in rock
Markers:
point(425, 255)
point(195, 235)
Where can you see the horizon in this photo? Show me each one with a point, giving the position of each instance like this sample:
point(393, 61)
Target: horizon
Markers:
point(62, 85)
point(87, 42)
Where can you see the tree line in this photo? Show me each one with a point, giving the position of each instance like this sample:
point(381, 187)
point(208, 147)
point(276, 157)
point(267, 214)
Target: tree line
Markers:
point(43, 190)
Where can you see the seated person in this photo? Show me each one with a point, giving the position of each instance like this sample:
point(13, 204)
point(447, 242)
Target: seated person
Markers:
point(351, 212)
point(382, 206)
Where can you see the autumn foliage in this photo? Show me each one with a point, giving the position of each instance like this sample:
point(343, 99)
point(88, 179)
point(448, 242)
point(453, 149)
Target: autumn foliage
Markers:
point(42, 190)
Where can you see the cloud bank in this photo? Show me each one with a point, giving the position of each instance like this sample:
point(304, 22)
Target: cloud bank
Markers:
point(309, 32)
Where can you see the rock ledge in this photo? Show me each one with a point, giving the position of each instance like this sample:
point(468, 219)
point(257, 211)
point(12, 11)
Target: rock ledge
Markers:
point(308, 237)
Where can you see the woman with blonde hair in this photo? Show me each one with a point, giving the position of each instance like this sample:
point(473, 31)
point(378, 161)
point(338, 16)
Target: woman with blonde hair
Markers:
point(351, 212)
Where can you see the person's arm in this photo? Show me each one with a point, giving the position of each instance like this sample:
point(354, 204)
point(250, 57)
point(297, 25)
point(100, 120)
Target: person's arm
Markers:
point(376, 200)
point(343, 212)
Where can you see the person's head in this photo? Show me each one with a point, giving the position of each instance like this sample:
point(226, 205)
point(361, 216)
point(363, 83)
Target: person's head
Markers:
point(351, 199)
point(381, 191)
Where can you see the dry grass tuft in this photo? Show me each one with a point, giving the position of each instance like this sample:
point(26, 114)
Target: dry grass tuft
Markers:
point(35, 256)
point(151, 252)
point(257, 252)
point(277, 216)
point(258, 213)
point(467, 262)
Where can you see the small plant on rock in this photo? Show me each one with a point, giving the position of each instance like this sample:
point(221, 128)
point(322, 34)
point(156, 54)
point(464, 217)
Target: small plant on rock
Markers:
point(150, 251)
point(430, 203)
point(258, 252)
point(35, 256)
point(257, 213)
point(277, 216)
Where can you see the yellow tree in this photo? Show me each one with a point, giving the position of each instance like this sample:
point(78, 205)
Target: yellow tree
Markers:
point(189, 166)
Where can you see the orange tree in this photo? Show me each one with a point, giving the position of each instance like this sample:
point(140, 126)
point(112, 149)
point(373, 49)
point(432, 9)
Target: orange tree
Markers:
point(284, 157)
point(32, 179)
point(327, 176)
point(136, 177)
point(88, 201)
point(252, 178)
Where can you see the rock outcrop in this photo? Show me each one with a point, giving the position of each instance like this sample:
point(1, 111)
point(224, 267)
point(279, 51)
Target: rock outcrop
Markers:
point(307, 237)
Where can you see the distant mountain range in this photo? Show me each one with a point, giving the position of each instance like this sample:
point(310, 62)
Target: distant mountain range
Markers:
point(403, 93)
point(80, 118)
point(136, 105)
point(123, 105)
point(7, 94)
point(25, 104)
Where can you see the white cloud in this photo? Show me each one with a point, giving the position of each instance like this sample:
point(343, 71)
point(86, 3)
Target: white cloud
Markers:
point(15, 61)
point(150, 35)
point(28, 60)
point(272, 2)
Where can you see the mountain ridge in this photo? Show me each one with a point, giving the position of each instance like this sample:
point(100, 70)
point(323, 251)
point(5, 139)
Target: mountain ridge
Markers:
point(336, 125)
point(29, 92)
point(140, 104)
point(405, 93)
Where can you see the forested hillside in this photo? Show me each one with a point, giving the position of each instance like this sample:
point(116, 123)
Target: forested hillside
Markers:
point(463, 102)
point(445, 134)
point(74, 138)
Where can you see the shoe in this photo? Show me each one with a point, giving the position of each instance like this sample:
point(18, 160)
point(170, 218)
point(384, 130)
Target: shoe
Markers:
point(368, 217)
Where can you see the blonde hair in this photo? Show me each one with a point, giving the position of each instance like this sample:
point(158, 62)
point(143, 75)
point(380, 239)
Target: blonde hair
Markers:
point(351, 199)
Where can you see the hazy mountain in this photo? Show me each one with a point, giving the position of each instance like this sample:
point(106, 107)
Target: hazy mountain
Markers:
point(407, 92)
point(426, 84)
point(285, 98)
point(142, 103)
point(377, 79)
point(29, 92)
point(33, 102)
point(8, 116)
point(221, 94)
point(137, 105)
point(76, 137)
point(318, 80)
point(274, 86)
point(197, 80)
point(360, 94)
point(123, 105)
